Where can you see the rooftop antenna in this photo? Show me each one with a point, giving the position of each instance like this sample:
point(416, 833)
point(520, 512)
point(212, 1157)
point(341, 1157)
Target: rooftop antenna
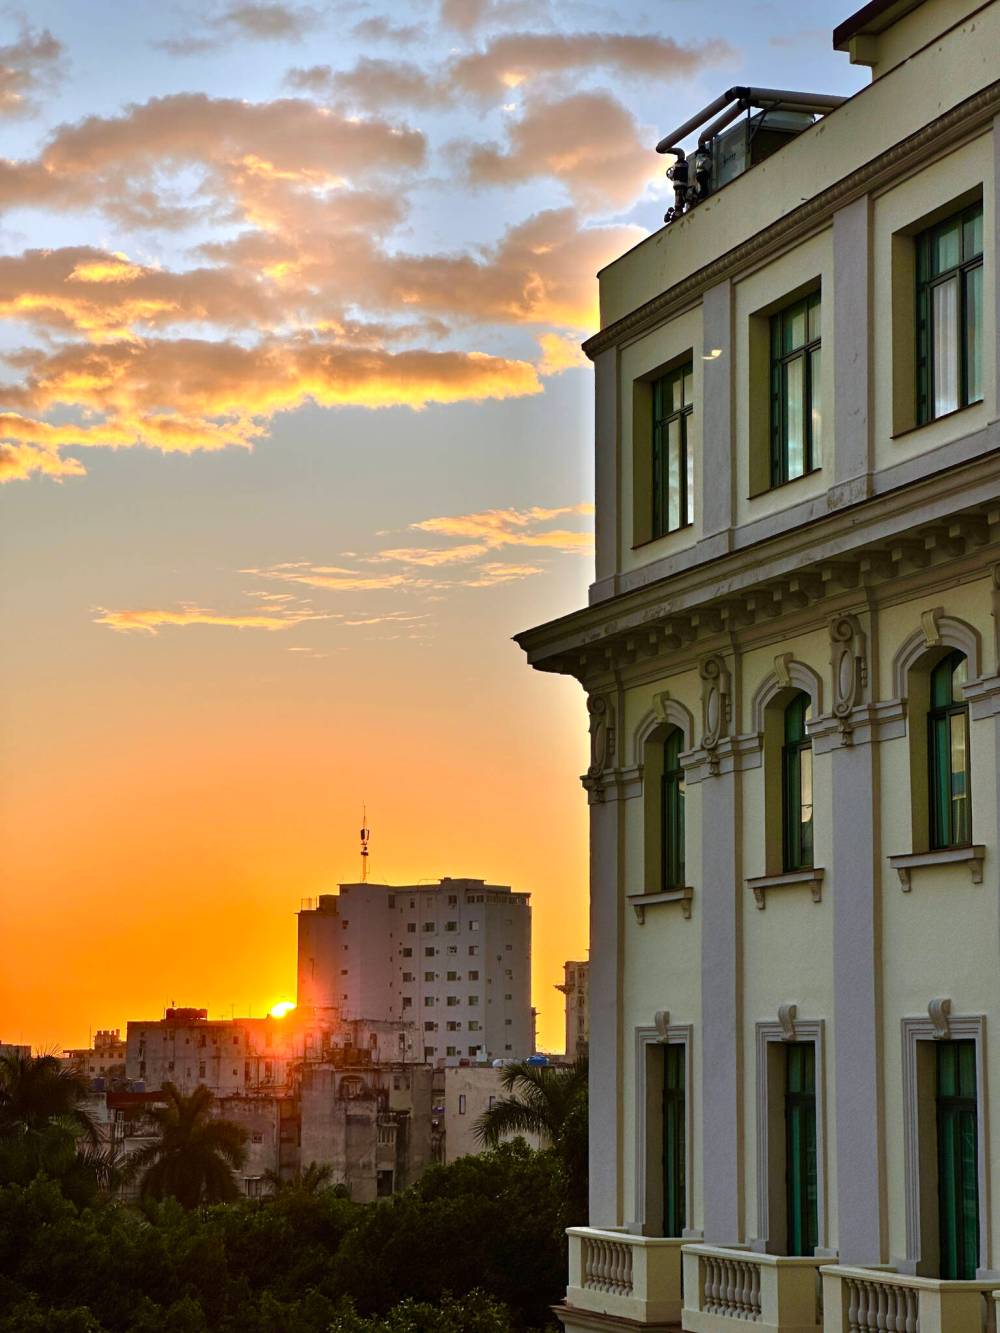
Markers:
point(365, 835)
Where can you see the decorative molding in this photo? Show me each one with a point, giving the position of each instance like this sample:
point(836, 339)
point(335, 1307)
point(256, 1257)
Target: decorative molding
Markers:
point(662, 1033)
point(849, 668)
point(936, 631)
point(664, 714)
point(939, 1012)
point(786, 1021)
point(813, 876)
point(602, 735)
point(641, 902)
point(995, 601)
point(716, 706)
point(983, 697)
point(936, 137)
point(812, 1030)
point(788, 674)
point(973, 856)
point(914, 1031)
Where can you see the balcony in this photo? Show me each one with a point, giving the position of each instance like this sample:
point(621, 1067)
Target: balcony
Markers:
point(622, 1275)
point(776, 1292)
point(866, 1300)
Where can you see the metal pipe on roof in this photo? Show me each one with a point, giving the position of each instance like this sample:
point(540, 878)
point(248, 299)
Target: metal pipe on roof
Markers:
point(665, 145)
point(818, 101)
point(745, 96)
point(720, 123)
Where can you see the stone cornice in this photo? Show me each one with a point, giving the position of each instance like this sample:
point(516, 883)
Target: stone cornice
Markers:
point(870, 547)
point(933, 139)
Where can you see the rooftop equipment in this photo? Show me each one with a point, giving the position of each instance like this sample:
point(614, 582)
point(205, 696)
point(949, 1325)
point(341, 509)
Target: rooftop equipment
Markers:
point(725, 150)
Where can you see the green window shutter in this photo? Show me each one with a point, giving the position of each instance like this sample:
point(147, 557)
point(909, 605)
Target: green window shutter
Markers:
point(801, 1166)
point(674, 1141)
point(958, 1159)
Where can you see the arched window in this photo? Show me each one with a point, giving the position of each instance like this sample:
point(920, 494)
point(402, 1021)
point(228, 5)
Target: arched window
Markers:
point(672, 813)
point(797, 785)
point(948, 754)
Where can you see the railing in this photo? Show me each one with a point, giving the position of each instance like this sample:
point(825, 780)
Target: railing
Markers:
point(777, 1293)
point(866, 1300)
point(620, 1274)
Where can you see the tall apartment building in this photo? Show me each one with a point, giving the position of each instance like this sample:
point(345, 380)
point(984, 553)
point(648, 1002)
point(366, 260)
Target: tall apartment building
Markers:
point(453, 958)
point(575, 986)
point(791, 656)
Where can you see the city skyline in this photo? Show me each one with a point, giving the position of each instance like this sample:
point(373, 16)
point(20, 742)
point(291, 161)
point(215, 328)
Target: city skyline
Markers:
point(296, 436)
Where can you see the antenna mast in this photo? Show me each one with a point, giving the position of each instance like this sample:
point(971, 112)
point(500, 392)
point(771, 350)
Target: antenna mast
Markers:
point(365, 834)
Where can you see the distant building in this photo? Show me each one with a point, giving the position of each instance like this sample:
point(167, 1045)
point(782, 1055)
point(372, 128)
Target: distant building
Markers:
point(453, 958)
point(575, 987)
point(14, 1049)
point(104, 1059)
point(469, 1091)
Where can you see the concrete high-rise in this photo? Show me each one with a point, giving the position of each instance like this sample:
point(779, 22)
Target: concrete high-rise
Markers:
point(453, 958)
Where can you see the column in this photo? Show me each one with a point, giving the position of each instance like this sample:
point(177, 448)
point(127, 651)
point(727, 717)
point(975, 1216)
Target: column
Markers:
point(605, 930)
point(857, 1018)
point(721, 1009)
point(851, 351)
point(607, 471)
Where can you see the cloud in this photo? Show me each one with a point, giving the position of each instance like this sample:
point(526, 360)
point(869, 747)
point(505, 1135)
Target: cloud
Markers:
point(496, 528)
point(261, 22)
point(466, 16)
point(150, 620)
point(28, 66)
point(589, 142)
point(380, 29)
point(560, 352)
point(514, 59)
point(373, 84)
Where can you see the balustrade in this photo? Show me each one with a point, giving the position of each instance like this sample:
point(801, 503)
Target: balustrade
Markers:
point(620, 1274)
point(775, 1292)
point(871, 1300)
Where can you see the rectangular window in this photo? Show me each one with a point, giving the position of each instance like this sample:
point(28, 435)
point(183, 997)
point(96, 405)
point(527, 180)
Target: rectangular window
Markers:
point(473, 1025)
point(950, 315)
point(674, 1135)
point(957, 1154)
point(797, 786)
point(800, 1147)
point(473, 976)
point(450, 1050)
point(673, 468)
point(429, 976)
point(407, 953)
point(461, 1103)
point(948, 747)
point(672, 813)
point(796, 401)
point(411, 927)
point(429, 952)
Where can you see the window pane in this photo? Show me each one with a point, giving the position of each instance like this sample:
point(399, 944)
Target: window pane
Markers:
point(806, 802)
point(674, 474)
point(974, 335)
point(814, 309)
point(972, 237)
point(676, 391)
point(794, 418)
point(946, 253)
point(688, 390)
point(795, 327)
point(689, 516)
point(959, 778)
point(816, 400)
point(939, 782)
point(959, 678)
point(945, 326)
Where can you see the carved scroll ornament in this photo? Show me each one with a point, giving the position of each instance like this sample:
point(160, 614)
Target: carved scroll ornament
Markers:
point(716, 706)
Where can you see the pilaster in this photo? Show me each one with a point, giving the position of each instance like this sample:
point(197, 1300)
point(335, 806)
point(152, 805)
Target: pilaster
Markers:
point(717, 453)
point(852, 350)
point(607, 469)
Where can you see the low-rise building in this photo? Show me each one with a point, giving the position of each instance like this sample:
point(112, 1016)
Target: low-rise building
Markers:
point(105, 1058)
point(470, 1091)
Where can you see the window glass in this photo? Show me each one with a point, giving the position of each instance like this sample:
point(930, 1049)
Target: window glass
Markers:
point(673, 467)
point(796, 403)
point(950, 315)
point(797, 786)
point(672, 813)
point(948, 754)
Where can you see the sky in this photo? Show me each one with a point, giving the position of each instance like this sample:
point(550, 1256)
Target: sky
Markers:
point(295, 434)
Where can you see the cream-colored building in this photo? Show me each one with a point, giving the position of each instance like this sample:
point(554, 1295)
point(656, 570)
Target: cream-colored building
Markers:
point(575, 986)
point(790, 655)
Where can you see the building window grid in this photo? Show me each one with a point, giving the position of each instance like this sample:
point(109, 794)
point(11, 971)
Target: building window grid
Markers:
point(948, 755)
point(796, 400)
point(950, 315)
point(673, 461)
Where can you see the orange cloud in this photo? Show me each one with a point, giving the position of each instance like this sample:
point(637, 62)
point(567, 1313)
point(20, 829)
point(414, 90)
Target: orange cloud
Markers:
point(151, 620)
point(514, 527)
point(27, 66)
point(588, 142)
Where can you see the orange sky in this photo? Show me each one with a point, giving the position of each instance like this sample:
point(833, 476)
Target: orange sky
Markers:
point(295, 433)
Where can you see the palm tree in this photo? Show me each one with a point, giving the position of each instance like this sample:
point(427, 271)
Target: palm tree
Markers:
point(194, 1155)
point(549, 1101)
point(311, 1181)
point(37, 1092)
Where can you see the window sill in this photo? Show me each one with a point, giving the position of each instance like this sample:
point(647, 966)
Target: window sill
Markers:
point(933, 421)
point(640, 902)
point(783, 485)
point(790, 879)
point(944, 856)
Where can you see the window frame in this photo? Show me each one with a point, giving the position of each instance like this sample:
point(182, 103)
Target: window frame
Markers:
point(672, 849)
point(795, 855)
point(779, 361)
point(926, 282)
point(940, 779)
point(661, 394)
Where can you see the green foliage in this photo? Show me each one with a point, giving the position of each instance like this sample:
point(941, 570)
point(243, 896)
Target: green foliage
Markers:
point(551, 1102)
point(304, 1261)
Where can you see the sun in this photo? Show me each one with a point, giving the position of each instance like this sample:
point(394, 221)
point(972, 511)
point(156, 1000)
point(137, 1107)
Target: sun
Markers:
point(282, 1008)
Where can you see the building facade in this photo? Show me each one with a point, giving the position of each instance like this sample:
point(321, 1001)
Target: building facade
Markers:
point(452, 958)
point(576, 988)
point(104, 1059)
point(792, 671)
